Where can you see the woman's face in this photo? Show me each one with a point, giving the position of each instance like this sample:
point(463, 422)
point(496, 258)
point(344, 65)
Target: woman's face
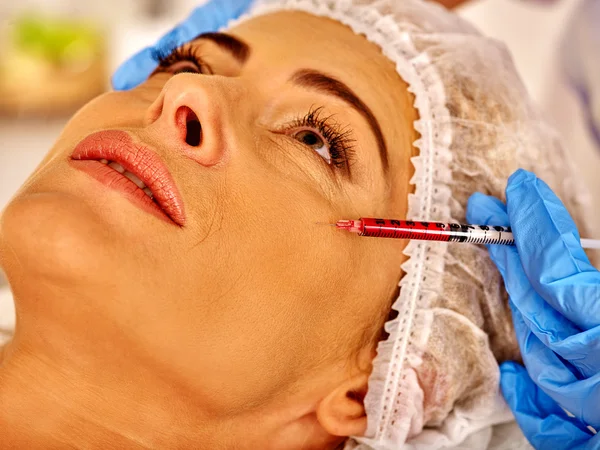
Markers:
point(240, 295)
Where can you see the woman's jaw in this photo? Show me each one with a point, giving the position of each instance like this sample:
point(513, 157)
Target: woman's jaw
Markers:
point(243, 310)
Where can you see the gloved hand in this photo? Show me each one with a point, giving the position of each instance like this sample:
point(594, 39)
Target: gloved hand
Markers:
point(555, 300)
point(206, 18)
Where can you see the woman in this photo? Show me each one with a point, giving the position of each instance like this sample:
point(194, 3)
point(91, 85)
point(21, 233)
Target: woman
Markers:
point(173, 289)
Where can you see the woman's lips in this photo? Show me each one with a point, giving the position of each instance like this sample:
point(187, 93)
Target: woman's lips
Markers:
point(117, 146)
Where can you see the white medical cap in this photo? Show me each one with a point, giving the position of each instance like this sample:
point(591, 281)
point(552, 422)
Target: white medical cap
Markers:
point(435, 379)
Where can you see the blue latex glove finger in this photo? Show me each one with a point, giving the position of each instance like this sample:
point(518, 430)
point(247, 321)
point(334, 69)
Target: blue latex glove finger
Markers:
point(543, 422)
point(554, 330)
point(548, 245)
point(209, 17)
point(484, 209)
point(212, 16)
point(556, 378)
point(135, 70)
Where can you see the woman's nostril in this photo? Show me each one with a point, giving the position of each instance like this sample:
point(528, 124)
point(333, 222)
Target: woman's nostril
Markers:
point(188, 122)
point(193, 135)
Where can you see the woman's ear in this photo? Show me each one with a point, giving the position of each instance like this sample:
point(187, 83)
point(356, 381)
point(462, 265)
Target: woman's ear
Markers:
point(342, 412)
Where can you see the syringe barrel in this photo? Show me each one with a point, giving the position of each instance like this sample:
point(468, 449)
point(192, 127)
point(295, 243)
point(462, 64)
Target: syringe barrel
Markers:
point(436, 231)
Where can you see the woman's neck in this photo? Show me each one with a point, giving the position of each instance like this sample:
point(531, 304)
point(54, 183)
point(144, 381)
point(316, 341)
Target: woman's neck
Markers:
point(47, 404)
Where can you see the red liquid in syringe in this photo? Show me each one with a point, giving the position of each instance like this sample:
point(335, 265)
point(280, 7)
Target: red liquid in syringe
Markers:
point(430, 231)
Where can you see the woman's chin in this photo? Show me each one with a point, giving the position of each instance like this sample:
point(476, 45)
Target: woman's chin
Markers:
point(53, 236)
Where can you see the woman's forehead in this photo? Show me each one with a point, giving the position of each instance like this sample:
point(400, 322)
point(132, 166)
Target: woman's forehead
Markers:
point(295, 37)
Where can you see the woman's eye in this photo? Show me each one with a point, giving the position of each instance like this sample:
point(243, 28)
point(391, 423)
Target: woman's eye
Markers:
point(316, 142)
point(184, 67)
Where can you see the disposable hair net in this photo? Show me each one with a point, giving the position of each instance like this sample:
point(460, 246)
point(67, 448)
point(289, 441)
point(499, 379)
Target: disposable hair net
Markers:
point(435, 379)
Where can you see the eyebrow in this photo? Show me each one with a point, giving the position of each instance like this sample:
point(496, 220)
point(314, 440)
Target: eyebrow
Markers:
point(318, 81)
point(232, 45)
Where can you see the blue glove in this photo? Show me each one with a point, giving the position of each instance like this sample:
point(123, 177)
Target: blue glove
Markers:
point(207, 18)
point(555, 301)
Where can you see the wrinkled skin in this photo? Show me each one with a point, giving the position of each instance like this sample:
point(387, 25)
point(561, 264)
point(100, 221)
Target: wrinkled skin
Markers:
point(241, 329)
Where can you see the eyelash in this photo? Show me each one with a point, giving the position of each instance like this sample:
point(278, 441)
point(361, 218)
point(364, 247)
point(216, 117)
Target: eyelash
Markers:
point(339, 140)
point(167, 57)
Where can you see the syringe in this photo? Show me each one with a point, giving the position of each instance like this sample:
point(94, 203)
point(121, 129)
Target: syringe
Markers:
point(436, 231)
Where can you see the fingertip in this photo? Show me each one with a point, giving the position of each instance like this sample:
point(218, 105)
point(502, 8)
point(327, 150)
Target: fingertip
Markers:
point(121, 79)
point(533, 206)
point(134, 71)
point(170, 40)
point(474, 205)
point(519, 177)
point(486, 210)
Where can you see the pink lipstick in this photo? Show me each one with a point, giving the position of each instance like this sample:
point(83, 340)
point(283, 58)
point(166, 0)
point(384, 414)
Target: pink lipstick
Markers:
point(139, 173)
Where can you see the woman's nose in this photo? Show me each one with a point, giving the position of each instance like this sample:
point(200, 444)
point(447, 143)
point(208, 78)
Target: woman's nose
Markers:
point(188, 116)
